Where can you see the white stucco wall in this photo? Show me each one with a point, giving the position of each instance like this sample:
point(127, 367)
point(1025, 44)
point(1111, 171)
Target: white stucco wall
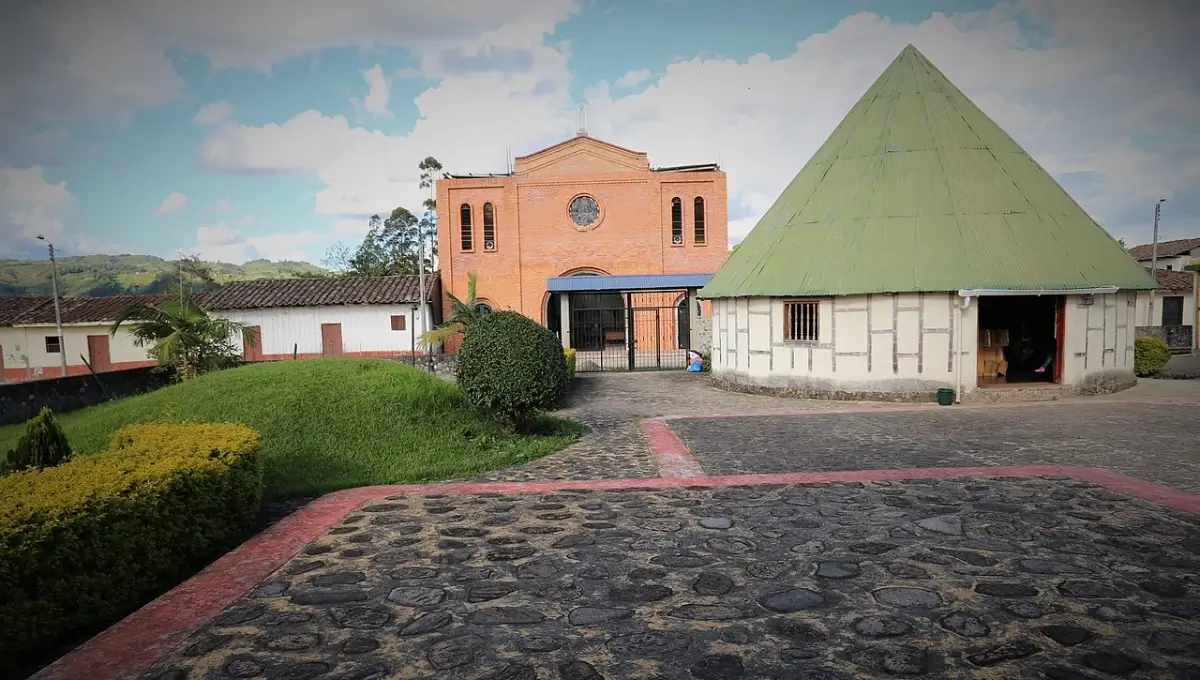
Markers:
point(25, 346)
point(902, 343)
point(1143, 307)
point(365, 328)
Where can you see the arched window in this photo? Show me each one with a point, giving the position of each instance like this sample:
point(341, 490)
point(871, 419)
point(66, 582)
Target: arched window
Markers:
point(468, 243)
point(489, 227)
point(483, 308)
point(676, 221)
point(699, 219)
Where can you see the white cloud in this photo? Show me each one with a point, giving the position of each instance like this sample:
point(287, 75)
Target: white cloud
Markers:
point(632, 78)
point(174, 202)
point(1072, 102)
point(378, 92)
point(214, 113)
point(63, 62)
point(222, 242)
point(223, 204)
point(30, 206)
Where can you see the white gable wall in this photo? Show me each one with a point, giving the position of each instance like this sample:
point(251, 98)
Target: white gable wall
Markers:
point(366, 329)
point(901, 345)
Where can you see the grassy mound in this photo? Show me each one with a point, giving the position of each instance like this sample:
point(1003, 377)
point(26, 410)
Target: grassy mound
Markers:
point(329, 424)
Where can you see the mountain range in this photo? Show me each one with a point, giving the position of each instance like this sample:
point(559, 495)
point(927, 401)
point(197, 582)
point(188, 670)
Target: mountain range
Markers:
point(103, 275)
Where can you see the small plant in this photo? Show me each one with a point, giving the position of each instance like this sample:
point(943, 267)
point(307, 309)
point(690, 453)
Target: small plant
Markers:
point(511, 367)
point(43, 445)
point(1149, 356)
point(705, 363)
point(569, 355)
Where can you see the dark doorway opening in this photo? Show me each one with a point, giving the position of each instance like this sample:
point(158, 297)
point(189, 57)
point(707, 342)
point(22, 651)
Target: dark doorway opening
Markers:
point(1020, 340)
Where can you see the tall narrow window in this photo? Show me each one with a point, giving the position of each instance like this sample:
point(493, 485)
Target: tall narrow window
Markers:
point(468, 243)
point(489, 227)
point(699, 218)
point(800, 321)
point(676, 221)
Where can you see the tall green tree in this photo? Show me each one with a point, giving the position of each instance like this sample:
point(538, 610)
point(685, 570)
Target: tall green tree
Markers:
point(181, 333)
point(430, 167)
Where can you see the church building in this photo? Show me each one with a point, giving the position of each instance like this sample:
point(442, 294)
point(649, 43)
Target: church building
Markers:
point(589, 239)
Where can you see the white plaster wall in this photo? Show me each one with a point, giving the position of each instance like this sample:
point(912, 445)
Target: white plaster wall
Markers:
point(1100, 336)
point(26, 345)
point(1143, 307)
point(866, 343)
point(365, 328)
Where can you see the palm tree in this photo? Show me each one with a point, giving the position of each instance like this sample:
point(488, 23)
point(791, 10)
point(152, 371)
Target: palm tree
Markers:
point(463, 313)
point(181, 333)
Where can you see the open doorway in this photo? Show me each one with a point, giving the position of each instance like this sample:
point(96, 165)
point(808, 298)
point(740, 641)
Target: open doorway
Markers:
point(1020, 340)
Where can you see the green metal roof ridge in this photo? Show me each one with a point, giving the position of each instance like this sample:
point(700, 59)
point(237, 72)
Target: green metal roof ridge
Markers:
point(918, 190)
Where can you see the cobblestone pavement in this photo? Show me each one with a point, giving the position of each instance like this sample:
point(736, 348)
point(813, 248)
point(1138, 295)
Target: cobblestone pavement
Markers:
point(983, 578)
point(610, 405)
point(1155, 442)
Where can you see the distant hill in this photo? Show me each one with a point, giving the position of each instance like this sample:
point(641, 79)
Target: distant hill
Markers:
point(102, 275)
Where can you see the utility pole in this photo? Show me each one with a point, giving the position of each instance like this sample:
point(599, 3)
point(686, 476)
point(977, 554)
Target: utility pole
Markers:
point(1154, 262)
point(62, 343)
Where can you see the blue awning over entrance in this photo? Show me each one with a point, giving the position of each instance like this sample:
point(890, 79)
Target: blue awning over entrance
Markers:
point(625, 282)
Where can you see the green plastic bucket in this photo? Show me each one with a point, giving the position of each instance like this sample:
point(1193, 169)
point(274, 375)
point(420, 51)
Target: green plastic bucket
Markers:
point(945, 396)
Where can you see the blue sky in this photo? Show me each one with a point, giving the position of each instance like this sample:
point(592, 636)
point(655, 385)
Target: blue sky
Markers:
point(237, 133)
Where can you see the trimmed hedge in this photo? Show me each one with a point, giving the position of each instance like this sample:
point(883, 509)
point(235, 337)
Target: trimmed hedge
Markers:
point(86, 542)
point(569, 355)
point(511, 366)
point(1149, 356)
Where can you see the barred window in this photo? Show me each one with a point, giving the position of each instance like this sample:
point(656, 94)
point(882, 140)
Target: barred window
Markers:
point(464, 219)
point(800, 321)
point(489, 227)
point(676, 221)
point(699, 220)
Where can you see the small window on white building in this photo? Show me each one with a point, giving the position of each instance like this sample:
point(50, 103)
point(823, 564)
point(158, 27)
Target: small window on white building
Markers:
point(1170, 267)
point(398, 322)
point(800, 321)
point(52, 344)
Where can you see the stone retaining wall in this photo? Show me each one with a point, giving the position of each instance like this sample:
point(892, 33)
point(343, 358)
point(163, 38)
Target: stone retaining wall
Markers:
point(21, 401)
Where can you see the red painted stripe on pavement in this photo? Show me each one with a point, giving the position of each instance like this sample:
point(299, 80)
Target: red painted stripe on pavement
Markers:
point(138, 641)
point(669, 453)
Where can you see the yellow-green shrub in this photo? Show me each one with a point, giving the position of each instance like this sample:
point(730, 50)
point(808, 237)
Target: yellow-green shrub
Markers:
point(569, 353)
point(88, 541)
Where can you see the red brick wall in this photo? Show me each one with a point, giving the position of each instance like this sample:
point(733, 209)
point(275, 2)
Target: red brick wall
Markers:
point(536, 240)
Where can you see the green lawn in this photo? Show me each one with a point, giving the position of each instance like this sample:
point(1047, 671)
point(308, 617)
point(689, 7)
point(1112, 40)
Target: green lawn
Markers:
point(329, 424)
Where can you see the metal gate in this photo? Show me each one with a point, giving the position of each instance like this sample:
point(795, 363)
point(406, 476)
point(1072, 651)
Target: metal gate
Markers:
point(646, 330)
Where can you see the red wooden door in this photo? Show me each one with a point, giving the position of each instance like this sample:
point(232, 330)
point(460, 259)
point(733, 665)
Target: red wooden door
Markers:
point(331, 339)
point(98, 353)
point(253, 351)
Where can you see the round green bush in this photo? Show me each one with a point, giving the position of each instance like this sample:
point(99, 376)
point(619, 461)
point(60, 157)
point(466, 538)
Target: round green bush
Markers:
point(511, 366)
point(1149, 356)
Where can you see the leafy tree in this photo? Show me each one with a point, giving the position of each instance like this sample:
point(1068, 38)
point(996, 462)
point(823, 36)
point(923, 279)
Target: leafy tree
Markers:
point(429, 168)
point(463, 315)
point(180, 333)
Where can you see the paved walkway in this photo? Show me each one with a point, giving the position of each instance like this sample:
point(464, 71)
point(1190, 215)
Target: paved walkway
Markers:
point(1157, 442)
point(950, 579)
point(646, 566)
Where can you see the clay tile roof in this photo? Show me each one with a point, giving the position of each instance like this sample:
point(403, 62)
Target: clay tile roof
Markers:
point(83, 309)
point(13, 307)
point(1165, 248)
point(1175, 280)
point(348, 290)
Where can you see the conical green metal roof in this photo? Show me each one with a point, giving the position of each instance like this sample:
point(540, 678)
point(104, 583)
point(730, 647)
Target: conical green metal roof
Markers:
point(918, 190)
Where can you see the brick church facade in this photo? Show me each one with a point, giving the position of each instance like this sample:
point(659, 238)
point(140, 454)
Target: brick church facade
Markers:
point(583, 206)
